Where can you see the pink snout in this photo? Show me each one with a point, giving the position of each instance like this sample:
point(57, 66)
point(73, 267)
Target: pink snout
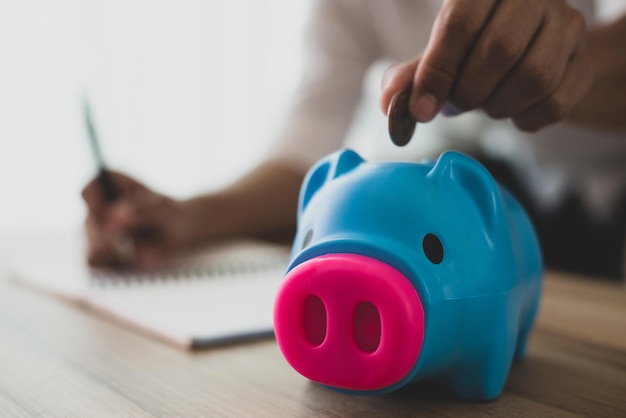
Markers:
point(349, 321)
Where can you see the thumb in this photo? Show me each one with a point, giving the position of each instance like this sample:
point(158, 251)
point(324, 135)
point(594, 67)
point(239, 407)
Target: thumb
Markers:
point(397, 78)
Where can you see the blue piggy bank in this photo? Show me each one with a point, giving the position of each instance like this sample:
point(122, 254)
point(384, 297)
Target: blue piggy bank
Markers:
point(406, 271)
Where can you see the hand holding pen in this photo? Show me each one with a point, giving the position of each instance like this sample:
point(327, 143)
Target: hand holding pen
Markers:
point(128, 225)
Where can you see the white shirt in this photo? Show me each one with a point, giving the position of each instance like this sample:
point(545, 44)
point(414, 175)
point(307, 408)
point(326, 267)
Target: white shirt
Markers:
point(347, 36)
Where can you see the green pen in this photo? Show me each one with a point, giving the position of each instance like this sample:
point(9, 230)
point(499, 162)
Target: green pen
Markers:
point(124, 245)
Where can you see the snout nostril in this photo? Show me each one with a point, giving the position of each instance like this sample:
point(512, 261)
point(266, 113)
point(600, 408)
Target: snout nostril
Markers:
point(366, 327)
point(314, 320)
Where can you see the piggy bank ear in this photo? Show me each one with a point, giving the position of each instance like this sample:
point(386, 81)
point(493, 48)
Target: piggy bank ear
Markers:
point(455, 170)
point(328, 168)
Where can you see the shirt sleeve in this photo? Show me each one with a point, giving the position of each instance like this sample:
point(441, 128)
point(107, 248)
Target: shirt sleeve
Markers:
point(340, 46)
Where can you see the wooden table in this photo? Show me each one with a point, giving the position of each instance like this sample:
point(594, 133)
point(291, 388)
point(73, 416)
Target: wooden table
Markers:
point(57, 360)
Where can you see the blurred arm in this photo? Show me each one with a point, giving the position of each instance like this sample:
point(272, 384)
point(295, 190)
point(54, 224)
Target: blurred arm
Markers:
point(263, 203)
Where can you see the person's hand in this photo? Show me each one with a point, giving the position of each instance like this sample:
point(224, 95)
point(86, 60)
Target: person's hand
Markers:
point(517, 59)
point(154, 224)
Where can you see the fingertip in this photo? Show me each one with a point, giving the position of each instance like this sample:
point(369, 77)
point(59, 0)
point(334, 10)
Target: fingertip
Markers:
point(84, 193)
point(384, 104)
point(90, 196)
point(425, 107)
point(389, 87)
point(396, 77)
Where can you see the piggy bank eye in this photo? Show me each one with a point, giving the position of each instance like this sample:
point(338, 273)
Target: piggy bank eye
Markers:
point(433, 248)
point(307, 239)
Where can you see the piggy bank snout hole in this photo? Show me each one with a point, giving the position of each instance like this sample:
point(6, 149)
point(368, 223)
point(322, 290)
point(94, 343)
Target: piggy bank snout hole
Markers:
point(349, 321)
point(314, 320)
point(366, 326)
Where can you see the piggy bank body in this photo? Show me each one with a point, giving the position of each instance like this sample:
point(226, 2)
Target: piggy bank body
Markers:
point(407, 271)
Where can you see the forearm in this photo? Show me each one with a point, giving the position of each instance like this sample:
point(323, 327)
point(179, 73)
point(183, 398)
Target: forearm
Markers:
point(261, 204)
point(605, 104)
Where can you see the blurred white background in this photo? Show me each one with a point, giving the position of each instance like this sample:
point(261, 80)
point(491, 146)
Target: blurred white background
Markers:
point(186, 95)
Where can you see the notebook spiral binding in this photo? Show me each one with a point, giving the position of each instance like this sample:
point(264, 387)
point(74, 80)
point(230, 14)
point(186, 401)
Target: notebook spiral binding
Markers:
point(213, 270)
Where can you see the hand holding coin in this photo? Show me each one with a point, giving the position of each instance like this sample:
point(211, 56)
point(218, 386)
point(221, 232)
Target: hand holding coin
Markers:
point(400, 121)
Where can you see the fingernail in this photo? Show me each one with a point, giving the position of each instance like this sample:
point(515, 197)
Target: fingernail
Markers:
point(425, 108)
point(449, 110)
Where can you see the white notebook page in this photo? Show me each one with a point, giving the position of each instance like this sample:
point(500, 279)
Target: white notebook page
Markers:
point(220, 295)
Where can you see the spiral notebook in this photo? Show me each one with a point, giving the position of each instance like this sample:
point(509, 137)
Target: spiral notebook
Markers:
point(220, 295)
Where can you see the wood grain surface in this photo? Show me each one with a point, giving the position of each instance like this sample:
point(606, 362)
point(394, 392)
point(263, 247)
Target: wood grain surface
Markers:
point(57, 360)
